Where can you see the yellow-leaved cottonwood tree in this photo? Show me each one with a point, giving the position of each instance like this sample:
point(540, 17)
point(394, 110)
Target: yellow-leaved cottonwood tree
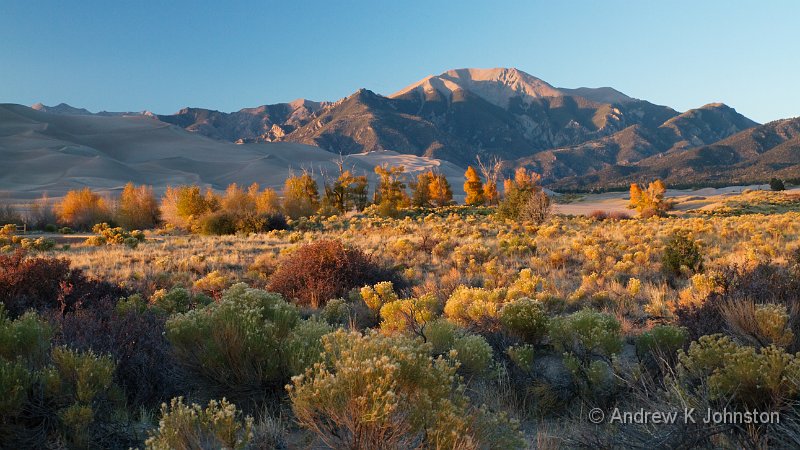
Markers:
point(649, 202)
point(474, 188)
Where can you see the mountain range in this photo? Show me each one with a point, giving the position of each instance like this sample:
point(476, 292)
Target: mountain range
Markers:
point(576, 138)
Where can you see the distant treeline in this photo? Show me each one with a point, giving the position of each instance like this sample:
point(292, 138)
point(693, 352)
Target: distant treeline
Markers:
point(253, 209)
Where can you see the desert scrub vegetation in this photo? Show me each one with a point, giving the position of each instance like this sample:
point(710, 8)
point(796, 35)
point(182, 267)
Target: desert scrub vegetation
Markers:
point(317, 272)
point(51, 394)
point(219, 425)
point(488, 317)
point(10, 240)
point(374, 391)
point(753, 202)
point(249, 341)
point(107, 235)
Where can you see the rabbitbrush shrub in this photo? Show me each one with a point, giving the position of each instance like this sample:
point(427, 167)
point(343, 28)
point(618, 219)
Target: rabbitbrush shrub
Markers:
point(410, 313)
point(473, 307)
point(178, 300)
point(662, 341)
point(185, 427)
point(525, 318)
point(763, 379)
point(473, 352)
point(51, 397)
point(589, 340)
point(379, 392)
point(586, 333)
point(248, 341)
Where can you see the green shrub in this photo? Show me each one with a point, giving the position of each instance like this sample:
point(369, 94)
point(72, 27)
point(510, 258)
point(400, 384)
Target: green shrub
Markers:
point(521, 355)
point(524, 199)
point(26, 339)
point(662, 341)
point(218, 224)
point(681, 254)
point(130, 242)
point(589, 340)
point(15, 383)
point(185, 427)
point(351, 311)
point(178, 300)
point(441, 335)
point(260, 223)
point(107, 235)
point(135, 304)
point(48, 395)
point(474, 353)
point(525, 318)
point(304, 344)
point(763, 379)
point(776, 184)
point(586, 333)
point(378, 391)
point(337, 311)
point(246, 342)
point(82, 379)
point(40, 244)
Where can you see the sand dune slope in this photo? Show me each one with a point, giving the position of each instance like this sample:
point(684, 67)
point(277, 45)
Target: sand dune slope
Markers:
point(45, 152)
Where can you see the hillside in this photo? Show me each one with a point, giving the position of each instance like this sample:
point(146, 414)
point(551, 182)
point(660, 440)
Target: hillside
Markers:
point(266, 123)
point(628, 148)
point(751, 156)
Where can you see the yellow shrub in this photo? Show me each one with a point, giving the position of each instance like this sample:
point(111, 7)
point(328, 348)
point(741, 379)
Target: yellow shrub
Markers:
point(400, 315)
point(473, 306)
point(378, 295)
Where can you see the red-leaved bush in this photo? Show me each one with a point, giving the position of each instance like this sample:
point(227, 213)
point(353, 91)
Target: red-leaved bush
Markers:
point(318, 272)
point(605, 215)
point(45, 284)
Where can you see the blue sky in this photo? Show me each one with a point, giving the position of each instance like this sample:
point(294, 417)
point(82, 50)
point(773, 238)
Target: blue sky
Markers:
point(164, 55)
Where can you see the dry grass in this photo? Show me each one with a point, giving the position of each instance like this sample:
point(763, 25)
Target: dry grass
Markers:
point(578, 258)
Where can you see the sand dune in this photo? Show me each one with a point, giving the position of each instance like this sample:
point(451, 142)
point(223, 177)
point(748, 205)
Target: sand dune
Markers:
point(45, 152)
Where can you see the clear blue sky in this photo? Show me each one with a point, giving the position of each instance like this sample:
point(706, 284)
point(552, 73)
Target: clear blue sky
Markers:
point(226, 55)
